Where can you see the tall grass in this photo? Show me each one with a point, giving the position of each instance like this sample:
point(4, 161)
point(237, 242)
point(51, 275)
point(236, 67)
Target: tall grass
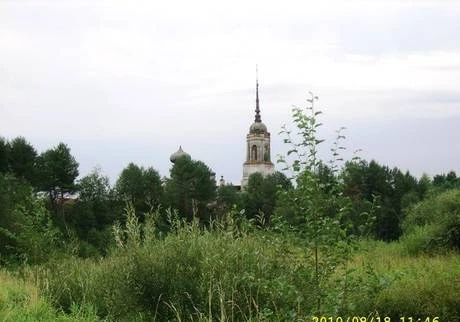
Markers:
point(389, 280)
point(230, 271)
point(221, 273)
point(21, 301)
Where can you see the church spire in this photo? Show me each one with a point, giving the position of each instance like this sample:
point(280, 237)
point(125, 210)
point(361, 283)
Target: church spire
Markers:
point(257, 119)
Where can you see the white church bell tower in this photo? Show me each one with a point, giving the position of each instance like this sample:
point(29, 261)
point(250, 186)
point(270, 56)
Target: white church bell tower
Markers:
point(258, 147)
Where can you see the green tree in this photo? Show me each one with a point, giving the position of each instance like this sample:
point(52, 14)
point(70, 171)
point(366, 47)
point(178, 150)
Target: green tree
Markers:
point(12, 192)
point(96, 199)
point(38, 239)
point(365, 183)
point(22, 159)
point(324, 234)
point(129, 185)
point(371, 184)
point(326, 176)
point(190, 188)
point(153, 187)
point(446, 181)
point(94, 186)
point(438, 218)
point(253, 199)
point(57, 170)
point(4, 155)
point(227, 197)
point(26, 231)
point(139, 186)
point(260, 195)
point(424, 184)
point(94, 213)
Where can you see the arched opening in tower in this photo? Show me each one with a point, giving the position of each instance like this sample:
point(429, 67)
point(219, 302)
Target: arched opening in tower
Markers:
point(254, 153)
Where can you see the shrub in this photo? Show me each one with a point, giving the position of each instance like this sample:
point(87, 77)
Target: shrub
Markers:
point(434, 223)
point(424, 291)
point(27, 233)
point(384, 282)
point(421, 239)
point(193, 273)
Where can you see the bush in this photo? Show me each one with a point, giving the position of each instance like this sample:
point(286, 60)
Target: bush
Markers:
point(221, 273)
point(385, 282)
point(421, 239)
point(426, 291)
point(27, 233)
point(434, 223)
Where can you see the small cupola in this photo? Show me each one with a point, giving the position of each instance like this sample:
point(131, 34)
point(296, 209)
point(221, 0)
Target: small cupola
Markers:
point(179, 154)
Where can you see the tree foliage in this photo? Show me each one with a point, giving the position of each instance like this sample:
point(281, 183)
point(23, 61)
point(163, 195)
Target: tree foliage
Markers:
point(190, 188)
point(4, 155)
point(438, 217)
point(446, 181)
point(94, 213)
point(58, 170)
point(387, 191)
point(142, 187)
point(22, 158)
point(12, 193)
point(227, 196)
point(94, 186)
point(26, 230)
point(320, 210)
point(260, 195)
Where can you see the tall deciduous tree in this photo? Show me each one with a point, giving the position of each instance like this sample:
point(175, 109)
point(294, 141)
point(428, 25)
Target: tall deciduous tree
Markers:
point(260, 196)
point(94, 187)
point(94, 213)
point(325, 234)
point(391, 189)
point(227, 197)
point(153, 187)
point(142, 187)
point(129, 185)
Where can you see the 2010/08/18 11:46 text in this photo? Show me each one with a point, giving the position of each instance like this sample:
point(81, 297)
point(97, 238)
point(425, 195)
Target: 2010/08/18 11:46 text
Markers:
point(373, 319)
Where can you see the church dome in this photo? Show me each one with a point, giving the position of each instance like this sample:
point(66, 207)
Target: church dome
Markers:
point(258, 127)
point(179, 154)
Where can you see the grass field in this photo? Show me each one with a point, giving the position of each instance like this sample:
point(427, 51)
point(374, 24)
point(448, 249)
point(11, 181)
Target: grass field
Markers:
point(207, 276)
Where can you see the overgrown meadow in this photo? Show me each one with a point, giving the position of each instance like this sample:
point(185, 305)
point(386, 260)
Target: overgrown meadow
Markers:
point(332, 240)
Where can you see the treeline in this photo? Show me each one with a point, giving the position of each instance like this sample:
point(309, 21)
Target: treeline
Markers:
point(380, 196)
point(38, 215)
point(82, 212)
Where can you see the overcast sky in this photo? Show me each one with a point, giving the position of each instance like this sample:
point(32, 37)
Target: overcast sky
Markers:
point(130, 81)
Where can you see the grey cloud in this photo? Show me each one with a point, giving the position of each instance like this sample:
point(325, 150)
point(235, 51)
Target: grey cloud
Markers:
point(119, 83)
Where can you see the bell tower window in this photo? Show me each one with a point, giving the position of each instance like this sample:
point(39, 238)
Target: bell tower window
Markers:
point(254, 153)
